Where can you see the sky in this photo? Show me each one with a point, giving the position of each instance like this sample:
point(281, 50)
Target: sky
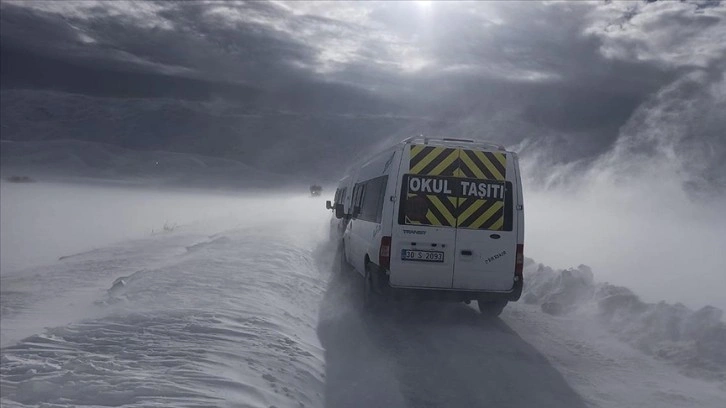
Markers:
point(563, 78)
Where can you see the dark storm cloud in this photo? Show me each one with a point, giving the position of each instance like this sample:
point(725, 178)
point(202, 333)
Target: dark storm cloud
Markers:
point(186, 49)
point(67, 38)
point(225, 50)
point(557, 74)
point(190, 43)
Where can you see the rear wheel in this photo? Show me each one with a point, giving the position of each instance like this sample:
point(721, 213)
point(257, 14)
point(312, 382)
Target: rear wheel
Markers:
point(369, 295)
point(342, 262)
point(373, 295)
point(491, 308)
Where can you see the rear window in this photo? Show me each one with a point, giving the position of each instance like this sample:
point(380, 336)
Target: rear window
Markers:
point(456, 202)
point(455, 187)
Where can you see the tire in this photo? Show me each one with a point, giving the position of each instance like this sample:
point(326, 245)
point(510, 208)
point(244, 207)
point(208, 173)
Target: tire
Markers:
point(342, 263)
point(369, 295)
point(373, 299)
point(491, 308)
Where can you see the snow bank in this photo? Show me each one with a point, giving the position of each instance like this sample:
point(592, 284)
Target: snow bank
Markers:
point(695, 341)
point(226, 322)
point(218, 314)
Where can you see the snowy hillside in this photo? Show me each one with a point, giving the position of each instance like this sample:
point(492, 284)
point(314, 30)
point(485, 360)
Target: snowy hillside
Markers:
point(247, 307)
point(273, 139)
point(64, 159)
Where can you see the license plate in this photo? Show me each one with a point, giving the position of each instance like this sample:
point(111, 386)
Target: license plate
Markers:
point(423, 256)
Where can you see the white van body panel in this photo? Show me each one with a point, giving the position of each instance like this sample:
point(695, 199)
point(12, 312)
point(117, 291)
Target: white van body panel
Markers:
point(490, 261)
point(362, 237)
point(419, 274)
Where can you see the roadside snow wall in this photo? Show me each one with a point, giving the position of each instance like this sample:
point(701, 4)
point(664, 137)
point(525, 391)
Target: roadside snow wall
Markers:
point(695, 341)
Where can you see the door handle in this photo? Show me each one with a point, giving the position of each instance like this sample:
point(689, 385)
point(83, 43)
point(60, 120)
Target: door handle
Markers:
point(466, 252)
point(495, 236)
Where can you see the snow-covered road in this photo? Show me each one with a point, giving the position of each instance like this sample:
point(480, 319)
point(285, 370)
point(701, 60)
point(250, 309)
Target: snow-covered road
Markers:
point(446, 355)
point(250, 310)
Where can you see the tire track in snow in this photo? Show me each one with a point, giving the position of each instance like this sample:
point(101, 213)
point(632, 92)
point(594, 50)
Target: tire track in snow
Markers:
point(418, 354)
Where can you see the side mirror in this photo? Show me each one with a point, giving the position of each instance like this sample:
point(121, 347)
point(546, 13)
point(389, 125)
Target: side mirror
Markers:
point(328, 205)
point(339, 212)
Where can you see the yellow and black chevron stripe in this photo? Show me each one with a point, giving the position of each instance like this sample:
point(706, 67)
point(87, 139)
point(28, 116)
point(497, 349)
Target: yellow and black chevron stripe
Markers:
point(444, 161)
point(441, 210)
point(433, 161)
point(475, 213)
point(483, 165)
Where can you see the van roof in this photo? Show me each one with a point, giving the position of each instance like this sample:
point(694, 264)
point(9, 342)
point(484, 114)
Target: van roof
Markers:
point(448, 142)
point(454, 142)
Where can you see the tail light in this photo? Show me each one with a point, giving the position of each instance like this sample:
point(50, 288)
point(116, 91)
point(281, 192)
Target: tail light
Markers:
point(384, 255)
point(519, 263)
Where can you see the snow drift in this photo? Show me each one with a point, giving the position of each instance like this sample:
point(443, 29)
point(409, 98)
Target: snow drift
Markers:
point(695, 341)
point(189, 318)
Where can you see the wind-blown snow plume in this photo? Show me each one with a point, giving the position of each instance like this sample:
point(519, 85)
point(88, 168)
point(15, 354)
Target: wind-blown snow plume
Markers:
point(646, 213)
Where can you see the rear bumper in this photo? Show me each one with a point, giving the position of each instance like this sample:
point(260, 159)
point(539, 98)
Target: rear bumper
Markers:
point(454, 295)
